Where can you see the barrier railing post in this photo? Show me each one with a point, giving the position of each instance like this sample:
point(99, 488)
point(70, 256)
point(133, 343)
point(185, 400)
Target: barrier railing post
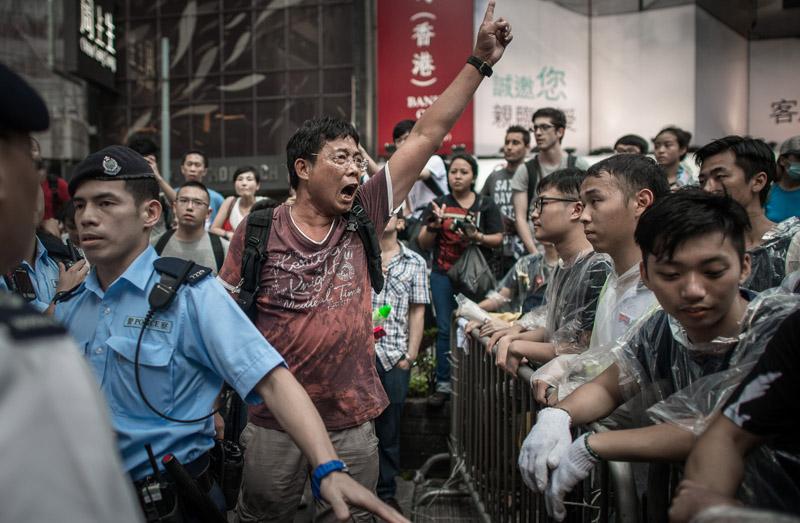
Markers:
point(491, 415)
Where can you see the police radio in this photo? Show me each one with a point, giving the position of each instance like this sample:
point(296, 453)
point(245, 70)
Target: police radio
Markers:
point(229, 459)
point(160, 298)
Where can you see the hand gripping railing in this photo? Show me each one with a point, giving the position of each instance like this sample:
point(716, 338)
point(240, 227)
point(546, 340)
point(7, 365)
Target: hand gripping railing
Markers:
point(492, 413)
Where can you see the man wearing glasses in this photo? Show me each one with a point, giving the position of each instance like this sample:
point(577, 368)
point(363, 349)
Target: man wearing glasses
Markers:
point(549, 125)
point(190, 240)
point(314, 303)
point(574, 288)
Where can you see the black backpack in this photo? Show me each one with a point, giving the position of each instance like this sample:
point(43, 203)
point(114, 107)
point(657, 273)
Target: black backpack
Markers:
point(535, 174)
point(259, 222)
point(216, 246)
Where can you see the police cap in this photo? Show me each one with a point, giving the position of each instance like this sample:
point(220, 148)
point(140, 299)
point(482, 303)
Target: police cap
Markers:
point(115, 162)
point(21, 108)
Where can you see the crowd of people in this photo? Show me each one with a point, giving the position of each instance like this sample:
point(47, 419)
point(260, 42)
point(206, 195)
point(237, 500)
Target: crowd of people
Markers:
point(139, 318)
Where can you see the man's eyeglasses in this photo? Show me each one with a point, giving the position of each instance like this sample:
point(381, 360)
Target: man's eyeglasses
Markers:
point(344, 160)
point(193, 201)
point(541, 127)
point(541, 201)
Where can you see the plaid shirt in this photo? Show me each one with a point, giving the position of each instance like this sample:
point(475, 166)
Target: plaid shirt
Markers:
point(406, 283)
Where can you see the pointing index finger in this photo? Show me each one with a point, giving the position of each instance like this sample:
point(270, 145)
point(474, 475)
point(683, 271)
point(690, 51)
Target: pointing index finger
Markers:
point(489, 15)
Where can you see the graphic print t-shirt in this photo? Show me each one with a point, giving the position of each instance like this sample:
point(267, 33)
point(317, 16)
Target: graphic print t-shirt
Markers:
point(314, 307)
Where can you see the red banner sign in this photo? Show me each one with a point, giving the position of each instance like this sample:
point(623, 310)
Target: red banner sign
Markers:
point(422, 45)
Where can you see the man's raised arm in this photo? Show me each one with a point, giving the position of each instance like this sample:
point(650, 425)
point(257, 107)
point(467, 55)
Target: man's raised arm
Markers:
point(429, 131)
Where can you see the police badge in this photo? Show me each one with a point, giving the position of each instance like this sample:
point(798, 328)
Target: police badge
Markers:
point(110, 166)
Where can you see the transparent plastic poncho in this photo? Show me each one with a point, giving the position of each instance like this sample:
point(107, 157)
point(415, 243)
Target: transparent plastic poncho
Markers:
point(791, 283)
point(571, 301)
point(698, 396)
point(527, 280)
point(622, 302)
point(768, 260)
point(569, 372)
point(767, 482)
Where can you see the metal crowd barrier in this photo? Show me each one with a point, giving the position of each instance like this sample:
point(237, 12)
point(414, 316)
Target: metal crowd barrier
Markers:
point(492, 412)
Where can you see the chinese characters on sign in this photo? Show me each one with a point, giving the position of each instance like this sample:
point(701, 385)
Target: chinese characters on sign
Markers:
point(549, 85)
point(422, 46)
point(505, 115)
point(422, 66)
point(423, 33)
point(782, 111)
point(552, 83)
point(97, 34)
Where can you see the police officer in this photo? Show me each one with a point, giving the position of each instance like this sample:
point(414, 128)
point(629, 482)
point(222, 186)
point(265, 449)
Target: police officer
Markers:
point(41, 275)
point(59, 457)
point(162, 336)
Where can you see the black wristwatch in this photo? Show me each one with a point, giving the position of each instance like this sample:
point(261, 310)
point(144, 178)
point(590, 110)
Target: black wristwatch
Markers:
point(483, 67)
point(62, 296)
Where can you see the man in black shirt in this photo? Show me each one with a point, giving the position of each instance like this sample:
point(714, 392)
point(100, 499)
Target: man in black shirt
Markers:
point(498, 187)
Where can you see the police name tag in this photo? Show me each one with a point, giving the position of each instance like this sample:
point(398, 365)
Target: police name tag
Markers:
point(156, 325)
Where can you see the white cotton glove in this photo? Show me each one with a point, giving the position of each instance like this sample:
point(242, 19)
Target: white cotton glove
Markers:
point(575, 465)
point(546, 442)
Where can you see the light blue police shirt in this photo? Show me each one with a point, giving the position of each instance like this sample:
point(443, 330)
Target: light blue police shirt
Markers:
point(187, 351)
point(44, 278)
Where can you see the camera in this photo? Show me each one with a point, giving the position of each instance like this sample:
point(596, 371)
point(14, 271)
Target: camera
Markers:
point(464, 225)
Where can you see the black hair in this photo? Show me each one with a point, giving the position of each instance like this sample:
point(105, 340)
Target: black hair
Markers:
point(566, 181)
point(633, 172)
point(526, 134)
point(198, 152)
point(247, 169)
point(635, 140)
point(310, 138)
point(143, 145)
point(688, 213)
point(683, 137)
point(473, 163)
point(196, 184)
point(557, 116)
point(8, 135)
point(402, 127)
point(142, 189)
point(66, 214)
point(753, 156)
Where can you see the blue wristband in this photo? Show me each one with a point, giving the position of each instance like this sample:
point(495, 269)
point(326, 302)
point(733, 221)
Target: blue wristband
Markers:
point(321, 472)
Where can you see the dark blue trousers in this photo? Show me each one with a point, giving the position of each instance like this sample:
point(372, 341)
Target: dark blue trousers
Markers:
point(387, 429)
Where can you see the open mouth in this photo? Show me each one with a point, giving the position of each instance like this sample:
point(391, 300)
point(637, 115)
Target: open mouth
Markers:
point(349, 191)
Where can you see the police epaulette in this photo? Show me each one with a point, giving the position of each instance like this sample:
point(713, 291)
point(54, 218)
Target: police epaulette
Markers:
point(24, 322)
point(174, 267)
